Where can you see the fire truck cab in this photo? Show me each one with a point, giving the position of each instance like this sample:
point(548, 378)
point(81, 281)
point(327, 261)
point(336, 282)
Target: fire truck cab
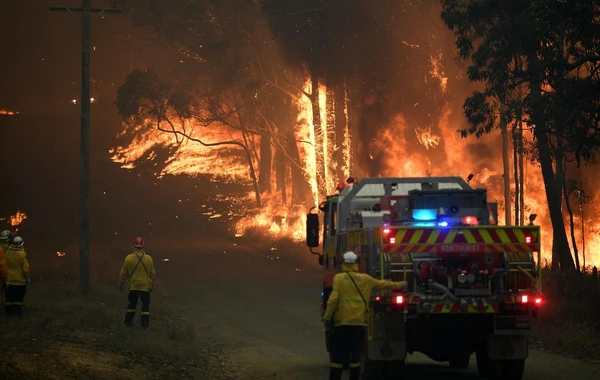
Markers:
point(474, 287)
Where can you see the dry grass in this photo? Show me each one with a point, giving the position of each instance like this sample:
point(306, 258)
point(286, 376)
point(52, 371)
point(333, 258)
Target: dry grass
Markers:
point(66, 335)
point(569, 321)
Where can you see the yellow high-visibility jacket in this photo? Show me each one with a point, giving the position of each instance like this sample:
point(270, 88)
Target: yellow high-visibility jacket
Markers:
point(345, 303)
point(3, 267)
point(18, 266)
point(4, 246)
point(138, 271)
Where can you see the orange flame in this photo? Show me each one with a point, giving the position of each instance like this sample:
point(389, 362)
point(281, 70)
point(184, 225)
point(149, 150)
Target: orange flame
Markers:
point(8, 113)
point(443, 153)
point(18, 218)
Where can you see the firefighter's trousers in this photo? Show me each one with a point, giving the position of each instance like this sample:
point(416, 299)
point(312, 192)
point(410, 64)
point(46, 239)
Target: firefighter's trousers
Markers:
point(347, 342)
point(144, 296)
point(14, 294)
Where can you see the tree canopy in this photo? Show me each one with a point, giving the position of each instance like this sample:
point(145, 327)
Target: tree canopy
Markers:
point(539, 62)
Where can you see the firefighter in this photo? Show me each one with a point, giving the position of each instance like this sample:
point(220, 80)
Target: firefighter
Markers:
point(3, 273)
point(5, 237)
point(138, 271)
point(18, 276)
point(348, 307)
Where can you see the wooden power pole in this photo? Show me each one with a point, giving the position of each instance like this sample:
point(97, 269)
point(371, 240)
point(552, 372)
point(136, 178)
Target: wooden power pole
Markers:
point(86, 11)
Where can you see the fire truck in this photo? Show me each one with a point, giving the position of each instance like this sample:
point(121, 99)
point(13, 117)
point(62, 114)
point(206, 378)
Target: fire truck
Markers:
point(473, 287)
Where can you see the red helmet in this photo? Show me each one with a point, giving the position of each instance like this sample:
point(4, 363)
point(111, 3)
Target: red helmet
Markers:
point(138, 242)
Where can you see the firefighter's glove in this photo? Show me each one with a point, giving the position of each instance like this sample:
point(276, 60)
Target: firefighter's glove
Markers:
point(327, 324)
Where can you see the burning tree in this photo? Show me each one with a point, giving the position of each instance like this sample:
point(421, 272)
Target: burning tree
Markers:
point(549, 51)
point(227, 54)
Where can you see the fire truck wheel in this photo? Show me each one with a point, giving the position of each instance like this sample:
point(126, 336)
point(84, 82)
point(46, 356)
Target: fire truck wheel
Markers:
point(513, 369)
point(460, 361)
point(488, 369)
point(393, 370)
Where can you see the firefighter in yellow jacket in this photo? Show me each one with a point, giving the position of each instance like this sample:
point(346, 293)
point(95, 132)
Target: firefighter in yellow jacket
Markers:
point(348, 306)
point(138, 272)
point(3, 266)
point(18, 276)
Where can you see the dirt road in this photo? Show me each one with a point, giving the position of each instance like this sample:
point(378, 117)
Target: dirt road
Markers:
point(266, 312)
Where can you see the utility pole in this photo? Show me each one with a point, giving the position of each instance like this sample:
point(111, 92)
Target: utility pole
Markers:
point(86, 11)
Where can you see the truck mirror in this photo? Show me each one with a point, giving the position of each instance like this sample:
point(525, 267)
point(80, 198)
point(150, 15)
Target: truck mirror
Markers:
point(312, 230)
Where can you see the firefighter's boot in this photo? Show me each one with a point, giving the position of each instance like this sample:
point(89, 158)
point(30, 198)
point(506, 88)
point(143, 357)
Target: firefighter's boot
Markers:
point(354, 372)
point(129, 317)
point(145, 320)
point(335, 373)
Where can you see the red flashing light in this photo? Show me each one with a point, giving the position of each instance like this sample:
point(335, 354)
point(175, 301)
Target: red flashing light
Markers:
point(399, 300)
point(524, 298)
point(538, 300)
point(386, 231)
point(470, 221)
point(527, 239)
point(393, 240)
point(377, 298)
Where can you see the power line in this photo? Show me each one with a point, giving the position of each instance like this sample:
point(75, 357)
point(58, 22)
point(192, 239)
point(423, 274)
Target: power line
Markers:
point(276, 16)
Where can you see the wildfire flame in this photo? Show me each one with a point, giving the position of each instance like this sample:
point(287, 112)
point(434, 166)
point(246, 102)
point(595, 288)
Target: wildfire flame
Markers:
point(427, 138)
point(443, 153)
point(18, 218)
point(8, 112)
point(61, 254)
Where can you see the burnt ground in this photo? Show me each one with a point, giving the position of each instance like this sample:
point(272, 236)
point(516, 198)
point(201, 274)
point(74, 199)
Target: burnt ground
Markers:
point(235, 312)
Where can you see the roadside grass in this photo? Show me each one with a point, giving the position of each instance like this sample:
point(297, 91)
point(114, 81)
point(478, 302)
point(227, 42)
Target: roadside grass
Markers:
point(66, 335)
point(569, 320)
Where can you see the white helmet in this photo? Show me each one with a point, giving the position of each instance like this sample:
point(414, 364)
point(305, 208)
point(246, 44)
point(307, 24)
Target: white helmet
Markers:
point(350, 257)
point(5, 235)
point(17, 242)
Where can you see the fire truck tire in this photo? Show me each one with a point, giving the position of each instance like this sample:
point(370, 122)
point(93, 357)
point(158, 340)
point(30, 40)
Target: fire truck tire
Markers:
point(488, 368)
point(393, 370)
point(460, 361)
point(513, 369)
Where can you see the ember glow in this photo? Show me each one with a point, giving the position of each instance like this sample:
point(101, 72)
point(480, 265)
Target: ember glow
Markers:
point(8, 112)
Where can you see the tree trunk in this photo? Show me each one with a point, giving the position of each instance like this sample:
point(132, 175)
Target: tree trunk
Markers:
point(506, 167)
point(252, 170)
point(561, 244)
point(521, 175)
point(280, 176)
point(318, 131)
point(341, 125)
point(566, 192)
point(300, 188)
point(518, 195)
point(264, 174)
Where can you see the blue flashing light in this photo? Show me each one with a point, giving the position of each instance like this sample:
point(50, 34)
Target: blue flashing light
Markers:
point(443, 224)
point(424, 214)
point(386, 224)
point(423, 224)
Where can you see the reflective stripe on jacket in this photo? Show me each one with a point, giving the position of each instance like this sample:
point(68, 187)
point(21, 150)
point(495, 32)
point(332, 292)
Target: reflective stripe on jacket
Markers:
point(17, 265)
point(345, 304)
point(138, 271)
